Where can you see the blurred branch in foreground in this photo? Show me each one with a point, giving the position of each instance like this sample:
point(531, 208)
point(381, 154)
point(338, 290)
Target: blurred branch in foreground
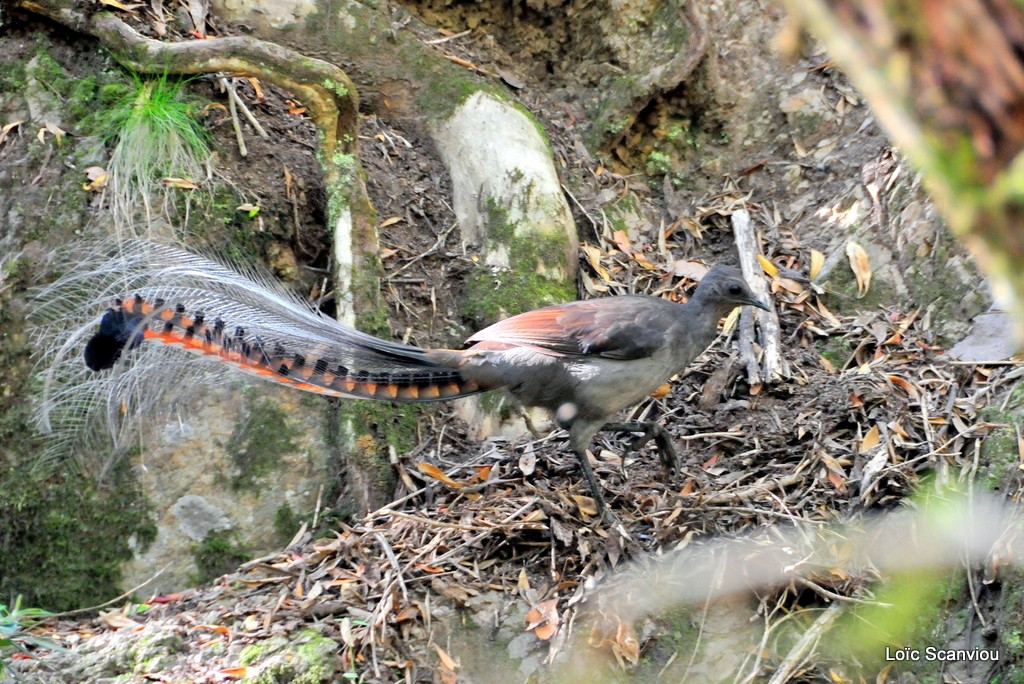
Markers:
point(841, 565)
point(945, 78)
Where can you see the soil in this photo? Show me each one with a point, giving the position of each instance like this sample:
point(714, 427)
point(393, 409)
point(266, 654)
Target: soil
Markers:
point(813, 423)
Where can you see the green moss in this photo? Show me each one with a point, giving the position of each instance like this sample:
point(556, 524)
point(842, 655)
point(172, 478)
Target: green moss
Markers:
point(489, 294)
point(286, 524)
point(157, 651)
point(835, 350)
point(658, 163)
point(65, 537)
point(371, 312)
point(394, 425)
point(304, 658)
point(219, 553)
point(919, 601)
point(258, 442)
point(337, 88)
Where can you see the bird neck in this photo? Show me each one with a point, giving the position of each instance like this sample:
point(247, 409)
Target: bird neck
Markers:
point(703, 305)
point(702, 314)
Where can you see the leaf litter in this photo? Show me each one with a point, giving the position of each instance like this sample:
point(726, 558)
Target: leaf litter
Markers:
point(514, 525)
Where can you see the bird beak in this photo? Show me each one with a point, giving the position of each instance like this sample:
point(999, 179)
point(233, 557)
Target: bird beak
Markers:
point(753, 301)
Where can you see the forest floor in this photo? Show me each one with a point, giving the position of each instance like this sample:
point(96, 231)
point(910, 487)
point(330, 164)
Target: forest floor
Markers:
point(491, 565)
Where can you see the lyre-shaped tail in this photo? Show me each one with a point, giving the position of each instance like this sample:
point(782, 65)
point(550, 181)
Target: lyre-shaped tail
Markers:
point(354, 365)
point(119, 309)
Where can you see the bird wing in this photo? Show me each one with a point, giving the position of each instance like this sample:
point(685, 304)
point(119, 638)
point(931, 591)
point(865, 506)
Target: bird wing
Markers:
point(624, 327)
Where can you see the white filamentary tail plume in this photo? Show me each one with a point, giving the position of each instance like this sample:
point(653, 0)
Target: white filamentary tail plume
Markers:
point(96, 316)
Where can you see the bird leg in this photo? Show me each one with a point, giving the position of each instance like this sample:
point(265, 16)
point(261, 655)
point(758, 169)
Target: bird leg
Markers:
point(666, 450)
point(595, 487)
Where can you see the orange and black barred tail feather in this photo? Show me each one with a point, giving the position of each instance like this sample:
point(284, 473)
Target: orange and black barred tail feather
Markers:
point(118, 329)
point(390, 372)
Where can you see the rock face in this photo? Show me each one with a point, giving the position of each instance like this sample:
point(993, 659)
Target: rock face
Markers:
point(230, 479)
point(503, 175)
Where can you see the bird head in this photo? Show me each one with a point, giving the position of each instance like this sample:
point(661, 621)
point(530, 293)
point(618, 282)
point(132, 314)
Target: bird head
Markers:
point(724, 288)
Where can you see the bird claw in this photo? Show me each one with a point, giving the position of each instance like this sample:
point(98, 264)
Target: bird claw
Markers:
point(648, 431)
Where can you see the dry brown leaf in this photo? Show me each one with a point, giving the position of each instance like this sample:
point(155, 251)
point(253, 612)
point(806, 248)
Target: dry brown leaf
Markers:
point(431, 470)
point(408, 613)
point(861, 265)
point(482, 474)
point(219, 629)
point(870, 441)
point(390, 221)
point(456, 592)
point(661, 391)
point(731, 319)
point(257, 88)
point(828, 315)
point(594, 255)
point(791, 286)
point(98, 178)
point(693, 270)
point(448, 666)
point(523, 581)
point(800, 150)
point(626, 643)
point(120, 6)
point(118, 620)
point(527, 463)
point(562, 532)
point(817, 262)
point(837, 480)
point(179, 183)
point(53, 129)
point(240, 672)
point(903, 384)
point(7, 128)
point(622, 242)
point(639, 258)
point(585, 504)
point(687, 490)
point(446, 660)
point(883, 675)
point(543, 619)
point(767, 266)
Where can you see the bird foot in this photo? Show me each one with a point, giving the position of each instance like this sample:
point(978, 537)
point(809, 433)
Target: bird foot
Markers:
point(595, 489)
point(666, 450)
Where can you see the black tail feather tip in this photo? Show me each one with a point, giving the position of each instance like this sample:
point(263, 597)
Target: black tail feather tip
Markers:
point(118, 330)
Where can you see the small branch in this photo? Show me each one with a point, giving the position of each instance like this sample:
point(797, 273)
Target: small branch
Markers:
point(753, 490)
point(116, 599)
point(806, 644)
point(771, 369)
point(239, 138)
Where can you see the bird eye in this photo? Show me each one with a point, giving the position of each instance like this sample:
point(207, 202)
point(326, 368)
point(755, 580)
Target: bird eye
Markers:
point(735, 290)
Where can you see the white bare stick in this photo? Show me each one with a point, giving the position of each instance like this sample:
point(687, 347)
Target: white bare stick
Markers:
point(748, 249)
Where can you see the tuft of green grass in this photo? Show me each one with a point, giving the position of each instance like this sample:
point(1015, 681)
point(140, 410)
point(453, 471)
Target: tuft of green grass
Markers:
point(160, 151)
point(15, 623)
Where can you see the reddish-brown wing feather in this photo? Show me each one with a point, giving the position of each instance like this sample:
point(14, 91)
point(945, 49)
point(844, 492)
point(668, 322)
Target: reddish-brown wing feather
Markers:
point(624, 327)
